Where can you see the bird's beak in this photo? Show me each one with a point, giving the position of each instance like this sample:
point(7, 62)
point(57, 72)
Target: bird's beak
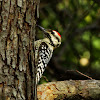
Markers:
point(43, 29)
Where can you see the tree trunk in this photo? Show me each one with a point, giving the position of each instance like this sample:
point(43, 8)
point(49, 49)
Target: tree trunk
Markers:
point(17, 30)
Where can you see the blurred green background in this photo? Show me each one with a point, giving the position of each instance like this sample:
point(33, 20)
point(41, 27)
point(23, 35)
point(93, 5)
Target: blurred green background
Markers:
point(78, 22)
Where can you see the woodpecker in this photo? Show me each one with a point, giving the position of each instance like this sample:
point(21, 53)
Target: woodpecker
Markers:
point(44, 50)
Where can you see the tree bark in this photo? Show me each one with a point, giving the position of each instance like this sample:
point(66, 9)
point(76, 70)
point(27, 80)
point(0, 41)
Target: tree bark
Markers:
point(70, 90)
point(16, 47)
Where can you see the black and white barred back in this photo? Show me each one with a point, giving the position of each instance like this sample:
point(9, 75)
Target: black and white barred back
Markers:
point(44, 49)
point(44, 56)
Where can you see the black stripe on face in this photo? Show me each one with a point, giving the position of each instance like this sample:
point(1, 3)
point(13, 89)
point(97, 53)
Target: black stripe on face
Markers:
point(53, 33)
point(51, 40)
point(57, 38)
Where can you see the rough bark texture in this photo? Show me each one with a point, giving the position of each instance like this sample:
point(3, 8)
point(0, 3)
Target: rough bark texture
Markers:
point(70, 90)
point(16, 20)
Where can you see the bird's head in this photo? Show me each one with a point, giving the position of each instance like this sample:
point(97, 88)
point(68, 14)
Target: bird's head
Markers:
point(54, 36)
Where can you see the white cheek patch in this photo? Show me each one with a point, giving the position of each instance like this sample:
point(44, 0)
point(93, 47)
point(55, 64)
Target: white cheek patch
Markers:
point(54, 40)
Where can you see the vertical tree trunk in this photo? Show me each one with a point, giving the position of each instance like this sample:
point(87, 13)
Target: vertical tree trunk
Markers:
point(16, 45)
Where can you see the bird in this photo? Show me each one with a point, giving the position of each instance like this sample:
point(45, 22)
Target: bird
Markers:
point(44, 50)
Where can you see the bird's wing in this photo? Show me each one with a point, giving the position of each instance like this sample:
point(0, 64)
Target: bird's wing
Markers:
point(44, 56)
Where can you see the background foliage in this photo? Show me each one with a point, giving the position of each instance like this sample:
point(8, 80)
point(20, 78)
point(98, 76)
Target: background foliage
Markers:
point(78, 22)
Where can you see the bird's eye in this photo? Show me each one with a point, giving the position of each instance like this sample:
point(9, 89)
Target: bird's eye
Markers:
point(52, 32)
